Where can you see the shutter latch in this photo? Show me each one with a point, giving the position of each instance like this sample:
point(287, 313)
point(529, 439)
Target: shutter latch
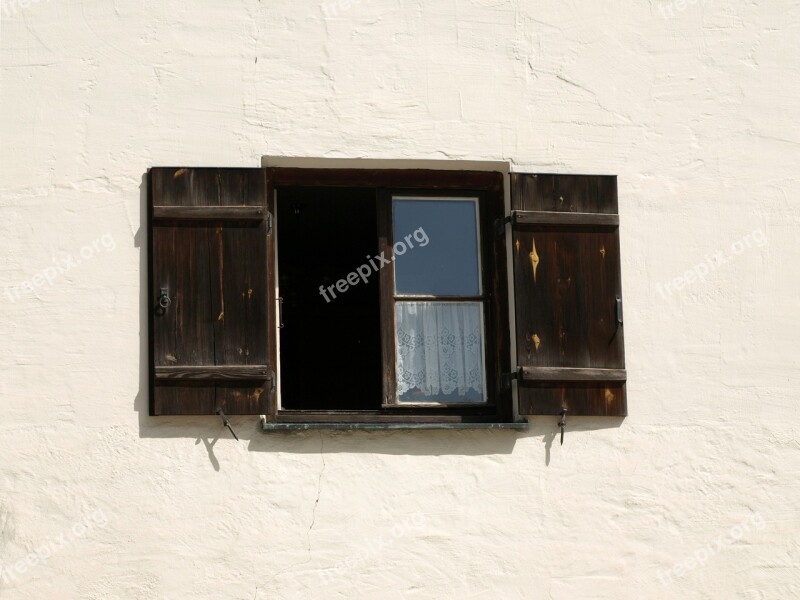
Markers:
point(500, 225)
point(227, 423)
point(563, 423)
point(163, 301)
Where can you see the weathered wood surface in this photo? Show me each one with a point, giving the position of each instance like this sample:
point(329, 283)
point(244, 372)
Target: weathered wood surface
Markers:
point(209, 250)
point(566, 279)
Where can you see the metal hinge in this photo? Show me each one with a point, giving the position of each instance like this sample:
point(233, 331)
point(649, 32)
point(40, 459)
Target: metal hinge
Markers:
point(269, 223)
point(500, 225)
point(507, 378)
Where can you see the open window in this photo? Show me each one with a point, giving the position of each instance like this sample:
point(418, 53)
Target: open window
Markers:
point(382, 296)
point(330, 344)
point(387, 292)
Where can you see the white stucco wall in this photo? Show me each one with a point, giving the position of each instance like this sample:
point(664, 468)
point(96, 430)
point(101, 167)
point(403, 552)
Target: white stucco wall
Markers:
point(692, 104)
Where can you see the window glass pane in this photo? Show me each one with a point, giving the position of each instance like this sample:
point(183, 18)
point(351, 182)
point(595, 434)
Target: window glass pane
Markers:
point(439, 352)
point(436, 246)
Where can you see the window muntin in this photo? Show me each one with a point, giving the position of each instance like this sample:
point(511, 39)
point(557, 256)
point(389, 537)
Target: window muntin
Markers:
point(438, 303)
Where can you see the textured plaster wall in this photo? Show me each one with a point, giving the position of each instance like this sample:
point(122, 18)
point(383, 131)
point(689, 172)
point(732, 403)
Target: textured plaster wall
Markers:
point(694, 105)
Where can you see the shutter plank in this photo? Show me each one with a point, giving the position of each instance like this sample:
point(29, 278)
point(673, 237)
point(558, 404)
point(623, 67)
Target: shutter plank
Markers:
point(566, 279)
point(181, 260)
point(181, 335)
point(240, 303)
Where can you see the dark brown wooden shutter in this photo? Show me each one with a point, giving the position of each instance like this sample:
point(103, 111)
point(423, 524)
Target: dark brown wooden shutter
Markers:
point(210, 243)
point(568, 295)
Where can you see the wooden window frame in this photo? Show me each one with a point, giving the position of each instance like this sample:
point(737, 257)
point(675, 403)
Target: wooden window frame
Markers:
point(488, 187)
point(390, 297)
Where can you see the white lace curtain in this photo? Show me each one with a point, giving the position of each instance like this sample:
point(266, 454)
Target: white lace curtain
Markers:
point(440, 351)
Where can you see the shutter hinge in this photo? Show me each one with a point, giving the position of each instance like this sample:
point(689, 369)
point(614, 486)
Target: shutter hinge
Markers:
point(500, 225)
point(269, 223)
point(507, 378)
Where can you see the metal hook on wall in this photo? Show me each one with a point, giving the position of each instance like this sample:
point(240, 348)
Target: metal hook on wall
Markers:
point(227, 423)
point(563, 423)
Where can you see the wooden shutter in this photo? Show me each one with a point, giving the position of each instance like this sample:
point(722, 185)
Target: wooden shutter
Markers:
point(568, 295)
point(210, 243)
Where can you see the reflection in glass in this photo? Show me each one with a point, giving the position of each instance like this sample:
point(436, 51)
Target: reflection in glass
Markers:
point(447, 264)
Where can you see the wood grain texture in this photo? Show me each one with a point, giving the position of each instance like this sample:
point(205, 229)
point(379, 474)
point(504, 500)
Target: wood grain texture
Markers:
point(564, 193)
point(607, 399)
point(214, 372)
point(387, 295)
point(200, 187)
point(386, 178)
point(243, 213)
point(528, 217)
point(571, 374)
point(495, 282)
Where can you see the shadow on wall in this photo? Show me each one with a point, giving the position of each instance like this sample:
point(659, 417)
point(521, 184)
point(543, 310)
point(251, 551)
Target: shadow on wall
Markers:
point(210, 430)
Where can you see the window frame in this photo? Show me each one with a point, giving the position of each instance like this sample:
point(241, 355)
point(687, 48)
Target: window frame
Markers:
point(488, 187)
point(390, 297)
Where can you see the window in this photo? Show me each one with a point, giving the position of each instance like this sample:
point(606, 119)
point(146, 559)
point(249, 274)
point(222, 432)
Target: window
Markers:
point(383, 299)
point(438, 302)
point(382, 296)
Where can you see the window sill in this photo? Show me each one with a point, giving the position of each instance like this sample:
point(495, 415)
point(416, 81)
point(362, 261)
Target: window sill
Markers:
point(270, 427)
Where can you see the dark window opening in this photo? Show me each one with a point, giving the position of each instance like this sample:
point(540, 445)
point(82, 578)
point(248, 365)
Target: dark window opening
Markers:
point(330, 345)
